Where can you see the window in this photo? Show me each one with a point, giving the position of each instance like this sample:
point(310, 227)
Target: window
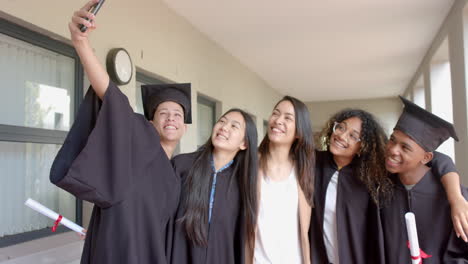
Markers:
point(419, 94)
point(254, 119)
point(141, 79)
point(265, 127)
point(41, 81)
point(441, 97)
point(206, 110)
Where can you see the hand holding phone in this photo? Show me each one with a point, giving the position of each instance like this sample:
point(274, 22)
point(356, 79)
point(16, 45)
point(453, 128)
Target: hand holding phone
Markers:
point(94, 10)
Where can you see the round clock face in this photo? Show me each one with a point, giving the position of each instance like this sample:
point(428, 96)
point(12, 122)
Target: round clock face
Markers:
point(123, 66)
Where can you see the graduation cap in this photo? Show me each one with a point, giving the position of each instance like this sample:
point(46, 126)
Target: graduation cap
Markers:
point(427, 129)
point(155, 94)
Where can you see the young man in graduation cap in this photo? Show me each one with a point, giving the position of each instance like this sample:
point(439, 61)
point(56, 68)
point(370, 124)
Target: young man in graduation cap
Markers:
point(120, 162)
point(416, 136)
point(168, 108)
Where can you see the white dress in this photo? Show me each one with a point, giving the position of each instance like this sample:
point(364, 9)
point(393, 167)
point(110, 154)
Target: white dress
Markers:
point(277, 239)
point(330, 236)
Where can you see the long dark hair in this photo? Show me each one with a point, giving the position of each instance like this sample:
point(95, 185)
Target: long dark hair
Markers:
point(302, 150)
point(198, 184)
point(370, 159)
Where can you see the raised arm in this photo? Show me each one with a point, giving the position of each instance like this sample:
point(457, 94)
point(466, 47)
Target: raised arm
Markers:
point(96, 73)
point(443, 165)
point(458, 204)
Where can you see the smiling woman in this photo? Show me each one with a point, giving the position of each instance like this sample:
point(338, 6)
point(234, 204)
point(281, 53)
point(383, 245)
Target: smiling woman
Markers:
point(285, 186)
point(218, 204)
point(350, 178)
point(351, 186)
point(345, 140)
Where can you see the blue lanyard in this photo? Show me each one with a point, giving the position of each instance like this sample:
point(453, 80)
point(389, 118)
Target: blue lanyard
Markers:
point(213, 185)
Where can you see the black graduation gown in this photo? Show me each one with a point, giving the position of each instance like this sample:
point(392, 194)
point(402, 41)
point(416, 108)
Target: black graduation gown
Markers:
point(427, 200)
point(457, 249)
point(358, 217)
point(225, 235)
point(115, 160)
point(356, 213)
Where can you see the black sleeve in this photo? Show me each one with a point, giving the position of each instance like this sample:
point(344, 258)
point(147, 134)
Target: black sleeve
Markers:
point(106, 149)
point(442, 164)
point(375, 239)
point(183, 163)
point(457, 249)
point(178, 164)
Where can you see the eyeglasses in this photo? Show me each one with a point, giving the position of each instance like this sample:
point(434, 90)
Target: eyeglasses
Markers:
point(340, 128)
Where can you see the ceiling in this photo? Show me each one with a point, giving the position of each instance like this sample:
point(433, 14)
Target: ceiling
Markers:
point(323, 50)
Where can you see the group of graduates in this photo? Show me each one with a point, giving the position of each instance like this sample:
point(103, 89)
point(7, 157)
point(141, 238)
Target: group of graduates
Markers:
point(233, 202)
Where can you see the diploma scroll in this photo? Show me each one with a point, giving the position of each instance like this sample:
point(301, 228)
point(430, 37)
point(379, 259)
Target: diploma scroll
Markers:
point(413, 238)
point(51, 214)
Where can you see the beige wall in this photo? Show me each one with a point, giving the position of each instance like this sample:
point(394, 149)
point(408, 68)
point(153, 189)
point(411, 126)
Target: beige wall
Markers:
point(386, 110)
point(159, 42)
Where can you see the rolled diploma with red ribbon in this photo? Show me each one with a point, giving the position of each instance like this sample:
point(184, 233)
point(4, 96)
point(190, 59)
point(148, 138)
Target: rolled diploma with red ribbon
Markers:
point(413, 238)
point(51, 214)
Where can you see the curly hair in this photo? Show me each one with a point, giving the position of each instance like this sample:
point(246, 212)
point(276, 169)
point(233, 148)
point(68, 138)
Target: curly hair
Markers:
point(370, 159)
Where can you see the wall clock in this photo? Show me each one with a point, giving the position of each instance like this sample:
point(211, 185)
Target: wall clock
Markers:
point(119, 66)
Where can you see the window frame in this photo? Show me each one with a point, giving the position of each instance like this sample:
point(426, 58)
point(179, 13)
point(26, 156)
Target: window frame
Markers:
point(147, 79)
point(11, 133)
point(201, 99)
point(204, 100)
point(265, 127)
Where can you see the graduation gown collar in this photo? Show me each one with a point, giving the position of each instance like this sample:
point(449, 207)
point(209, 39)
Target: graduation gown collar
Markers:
point(331, 161)
point(226, 166)
point(427, 184)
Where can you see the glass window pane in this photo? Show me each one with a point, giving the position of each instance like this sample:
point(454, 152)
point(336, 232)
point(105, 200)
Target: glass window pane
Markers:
point(25, 174)
point(265, 127)
point(205, 122)
point(419, 96)
point(139, 102)
point(37, 86)
point(441, 96)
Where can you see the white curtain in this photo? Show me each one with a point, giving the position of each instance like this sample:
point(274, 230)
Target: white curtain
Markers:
point(25, 174)
point(37, 87)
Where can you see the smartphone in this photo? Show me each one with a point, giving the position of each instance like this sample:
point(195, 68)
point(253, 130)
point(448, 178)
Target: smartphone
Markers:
point(94, 10)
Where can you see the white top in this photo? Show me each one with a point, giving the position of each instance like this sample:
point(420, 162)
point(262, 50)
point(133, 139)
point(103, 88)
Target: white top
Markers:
point(329, 221)
point(277, 239)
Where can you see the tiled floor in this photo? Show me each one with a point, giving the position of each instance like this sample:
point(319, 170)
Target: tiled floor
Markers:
point(59, 249)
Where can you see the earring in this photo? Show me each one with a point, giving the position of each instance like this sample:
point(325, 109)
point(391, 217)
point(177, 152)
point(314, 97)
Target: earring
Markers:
point(359, 153)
